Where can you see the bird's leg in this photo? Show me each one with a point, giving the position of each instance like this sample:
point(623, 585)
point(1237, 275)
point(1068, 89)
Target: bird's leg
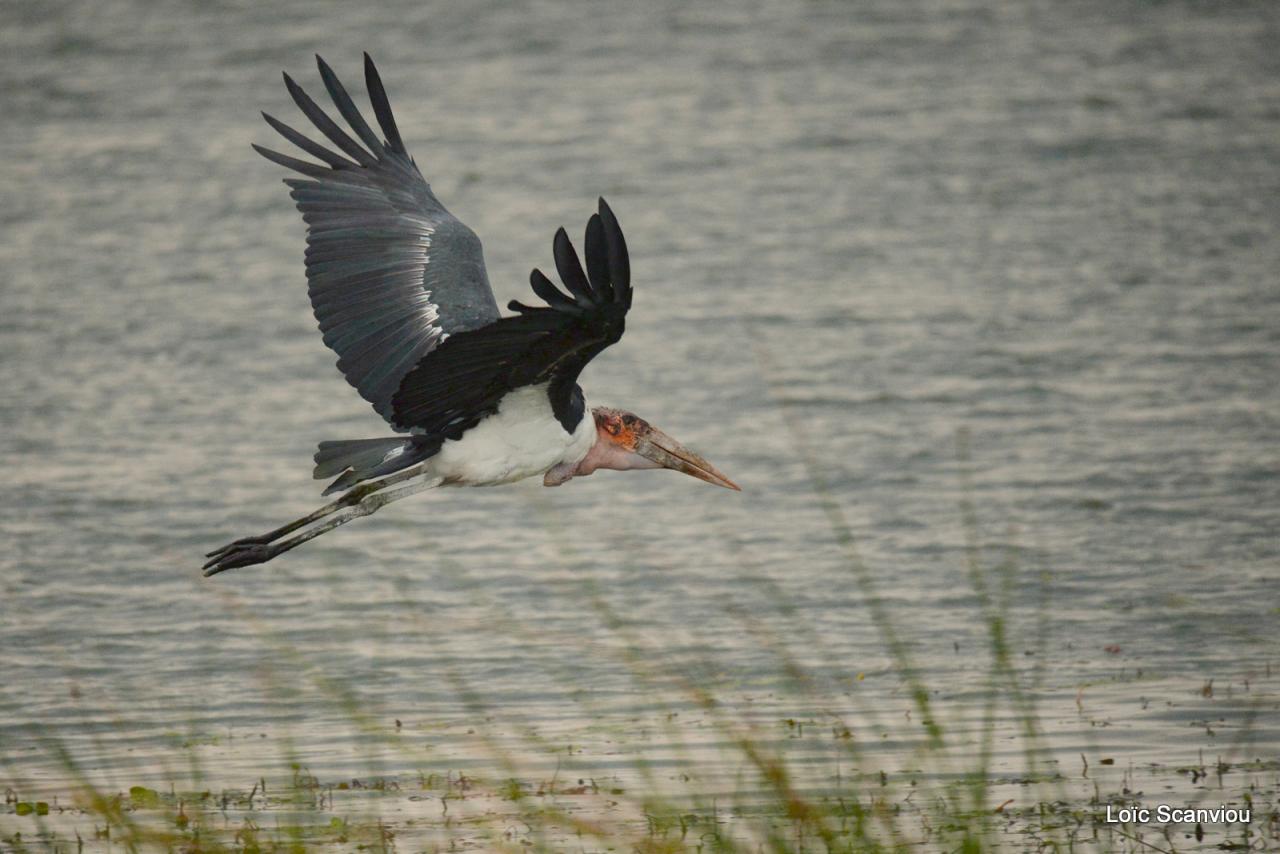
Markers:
point(352, 497)
point(251, 553)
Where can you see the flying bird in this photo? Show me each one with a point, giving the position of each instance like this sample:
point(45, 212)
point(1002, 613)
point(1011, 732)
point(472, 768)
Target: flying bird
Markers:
point(399, 288)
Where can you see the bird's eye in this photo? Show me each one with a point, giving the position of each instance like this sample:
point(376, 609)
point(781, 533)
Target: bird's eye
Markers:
point(613, 426)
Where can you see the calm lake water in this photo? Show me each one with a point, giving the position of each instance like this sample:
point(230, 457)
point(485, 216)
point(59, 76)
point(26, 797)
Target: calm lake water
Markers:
point(1018, 256)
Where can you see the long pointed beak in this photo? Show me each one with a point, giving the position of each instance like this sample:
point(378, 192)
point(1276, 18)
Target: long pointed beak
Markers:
point(670, 454)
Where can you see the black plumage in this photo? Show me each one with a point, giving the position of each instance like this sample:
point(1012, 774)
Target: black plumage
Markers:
point(466, 376)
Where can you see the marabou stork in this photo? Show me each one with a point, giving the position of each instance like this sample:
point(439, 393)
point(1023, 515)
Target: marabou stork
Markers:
point(399, 288)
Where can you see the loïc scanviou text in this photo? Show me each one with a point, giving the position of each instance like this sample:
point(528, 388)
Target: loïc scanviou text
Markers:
point(1163, 813)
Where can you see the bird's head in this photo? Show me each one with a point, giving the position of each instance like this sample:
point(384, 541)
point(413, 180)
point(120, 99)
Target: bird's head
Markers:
point(625, 441)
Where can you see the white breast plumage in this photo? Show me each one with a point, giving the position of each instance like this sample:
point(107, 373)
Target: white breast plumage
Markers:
point(522, 439)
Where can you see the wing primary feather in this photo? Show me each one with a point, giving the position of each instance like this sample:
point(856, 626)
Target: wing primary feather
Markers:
point(597, 252)
point(543, 287)
point(326, 125)
point(293, 163)
point(570, 268)
point(382, 106)
point(348, 108)
point(311, 147)
point(619, 262)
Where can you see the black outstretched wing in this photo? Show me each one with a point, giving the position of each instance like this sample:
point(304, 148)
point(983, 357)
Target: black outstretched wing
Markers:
point(389, 270)
point(463, 379)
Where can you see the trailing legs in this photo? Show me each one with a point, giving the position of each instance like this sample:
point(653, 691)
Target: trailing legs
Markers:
point(359, 501)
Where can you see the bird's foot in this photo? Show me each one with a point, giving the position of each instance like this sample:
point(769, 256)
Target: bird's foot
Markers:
point(243, 552)
point(260, 540)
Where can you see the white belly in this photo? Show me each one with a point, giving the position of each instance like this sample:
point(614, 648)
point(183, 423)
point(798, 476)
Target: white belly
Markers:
point(522, 439)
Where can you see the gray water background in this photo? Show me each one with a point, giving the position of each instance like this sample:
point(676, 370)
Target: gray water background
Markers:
point(1051, 227)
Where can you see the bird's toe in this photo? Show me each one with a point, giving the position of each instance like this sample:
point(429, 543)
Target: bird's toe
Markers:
point(238, 555)
point(237, 544)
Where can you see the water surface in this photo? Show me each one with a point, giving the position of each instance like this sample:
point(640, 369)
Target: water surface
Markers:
point(1018, 255)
